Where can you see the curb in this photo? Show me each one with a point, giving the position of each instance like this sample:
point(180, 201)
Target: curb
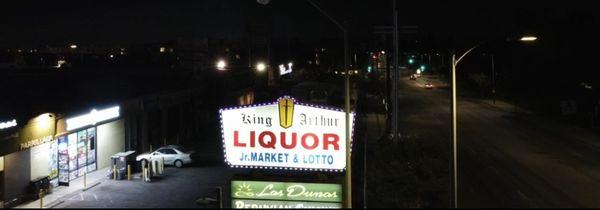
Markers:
point(93, 185)
point(62, 200)
point(520, 110)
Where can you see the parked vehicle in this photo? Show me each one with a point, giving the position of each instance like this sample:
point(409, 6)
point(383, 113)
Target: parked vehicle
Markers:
point(172, 154)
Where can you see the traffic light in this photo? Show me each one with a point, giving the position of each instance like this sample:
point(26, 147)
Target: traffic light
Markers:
point(411, 61)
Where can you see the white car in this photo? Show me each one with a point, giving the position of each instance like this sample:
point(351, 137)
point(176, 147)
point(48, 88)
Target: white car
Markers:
point(173, 155)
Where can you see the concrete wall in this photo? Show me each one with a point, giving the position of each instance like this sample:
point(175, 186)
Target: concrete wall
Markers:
point(111, 140)
point(16, 172)
point(40, 164)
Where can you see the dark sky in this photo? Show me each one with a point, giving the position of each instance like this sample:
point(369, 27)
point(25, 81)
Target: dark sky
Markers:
point(43, 22)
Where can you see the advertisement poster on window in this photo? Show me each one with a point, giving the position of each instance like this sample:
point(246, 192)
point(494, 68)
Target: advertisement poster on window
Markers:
point(53, 160)
point(63, 161)
point(72, 151)
point(81, 153)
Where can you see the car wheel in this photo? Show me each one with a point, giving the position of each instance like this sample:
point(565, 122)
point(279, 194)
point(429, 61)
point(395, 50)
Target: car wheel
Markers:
point(178, 163)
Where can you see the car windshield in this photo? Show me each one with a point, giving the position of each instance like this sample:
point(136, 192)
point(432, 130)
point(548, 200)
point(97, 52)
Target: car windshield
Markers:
point(182, 149)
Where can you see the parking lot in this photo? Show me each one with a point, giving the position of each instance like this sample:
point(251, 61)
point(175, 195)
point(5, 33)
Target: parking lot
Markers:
point(179, 188)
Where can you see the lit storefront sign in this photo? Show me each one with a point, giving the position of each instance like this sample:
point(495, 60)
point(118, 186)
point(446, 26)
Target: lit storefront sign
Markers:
point(286, 191)
point(37, 131)
point(283, 70)
point(266, 204)
point(92, 118)
point(8, 124)
point(263, 194)
point(35, 142)
point(285, 135)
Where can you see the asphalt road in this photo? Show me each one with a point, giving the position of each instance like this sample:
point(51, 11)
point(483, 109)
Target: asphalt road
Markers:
point(179, 188)
point(506, 159)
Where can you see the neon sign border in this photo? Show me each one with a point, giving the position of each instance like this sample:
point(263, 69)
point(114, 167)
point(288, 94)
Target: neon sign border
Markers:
point(275, 103)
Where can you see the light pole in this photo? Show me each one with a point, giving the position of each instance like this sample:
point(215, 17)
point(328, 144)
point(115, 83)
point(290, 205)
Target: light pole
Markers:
point(344, 29)
point(346, 107)
point(493, 80)
point(396, 78)
point(454, 117)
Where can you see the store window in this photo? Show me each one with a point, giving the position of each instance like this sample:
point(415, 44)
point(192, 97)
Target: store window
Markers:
point(77, 155)
point(167, 151)
point(63, 160)
point(170, 152)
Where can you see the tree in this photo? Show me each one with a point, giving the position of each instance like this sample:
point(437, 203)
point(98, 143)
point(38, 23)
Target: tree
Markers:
point(481, 81)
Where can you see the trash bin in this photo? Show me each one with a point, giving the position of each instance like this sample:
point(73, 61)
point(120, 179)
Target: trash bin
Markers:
point(119, 162)
point(37, 185)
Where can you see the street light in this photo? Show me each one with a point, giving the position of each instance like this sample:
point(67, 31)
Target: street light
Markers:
point(261, 67)
point(454, 118)
point(528, 38)
point(221, 65)
point(346, 99)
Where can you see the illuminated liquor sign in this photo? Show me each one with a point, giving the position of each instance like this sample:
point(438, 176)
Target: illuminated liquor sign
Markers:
point(285, 135)
point(286, 191)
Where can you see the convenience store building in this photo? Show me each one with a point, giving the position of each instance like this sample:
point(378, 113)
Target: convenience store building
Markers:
point(61, 148)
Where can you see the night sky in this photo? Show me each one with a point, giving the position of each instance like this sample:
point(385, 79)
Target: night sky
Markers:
point(50, 22)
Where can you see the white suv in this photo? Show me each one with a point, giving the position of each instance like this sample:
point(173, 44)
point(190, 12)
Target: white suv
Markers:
point(173, 155)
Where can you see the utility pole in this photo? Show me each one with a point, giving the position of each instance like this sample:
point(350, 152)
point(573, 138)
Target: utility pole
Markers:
point(493, 81)
point(344, 28)
point(396, 77)
point(347, 109)
point(384, 31)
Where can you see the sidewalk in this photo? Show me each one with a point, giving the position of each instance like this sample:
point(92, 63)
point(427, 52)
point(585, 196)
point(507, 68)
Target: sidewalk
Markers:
point(375, 125)
point(62, 192)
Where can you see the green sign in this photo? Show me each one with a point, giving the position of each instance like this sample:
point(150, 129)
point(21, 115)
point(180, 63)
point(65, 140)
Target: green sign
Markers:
point(286, 191)
point(267, 204)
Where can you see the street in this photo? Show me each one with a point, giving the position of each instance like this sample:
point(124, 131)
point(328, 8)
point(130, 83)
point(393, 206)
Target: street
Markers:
point(505, 159)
